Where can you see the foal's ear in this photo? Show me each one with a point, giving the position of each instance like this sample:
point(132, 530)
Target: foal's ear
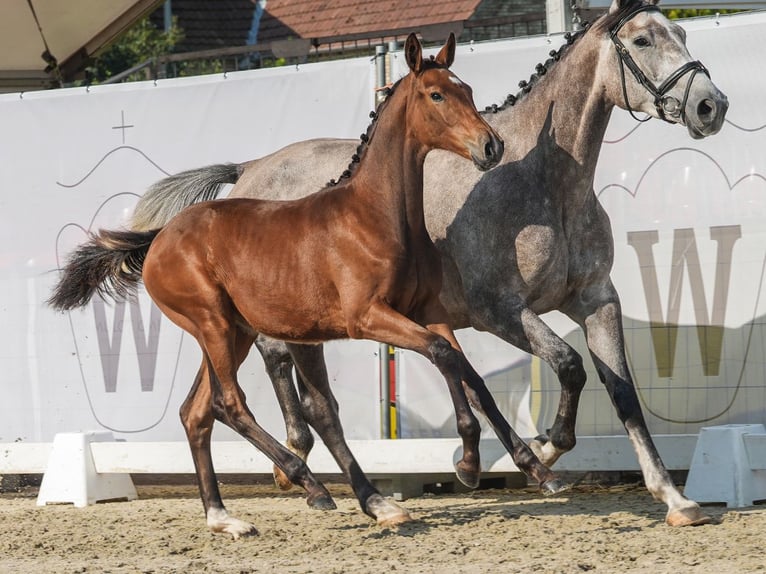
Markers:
point(413, 53)
point(446, 55)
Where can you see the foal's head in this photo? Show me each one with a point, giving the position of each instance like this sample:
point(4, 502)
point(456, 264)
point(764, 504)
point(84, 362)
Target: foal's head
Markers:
point(651, 70)
point(440, 109)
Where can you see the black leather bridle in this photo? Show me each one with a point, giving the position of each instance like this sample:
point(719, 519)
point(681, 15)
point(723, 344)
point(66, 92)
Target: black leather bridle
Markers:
point(667, 106)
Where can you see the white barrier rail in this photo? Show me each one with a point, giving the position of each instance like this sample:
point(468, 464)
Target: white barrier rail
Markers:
point(376, 457)
point(726, 463)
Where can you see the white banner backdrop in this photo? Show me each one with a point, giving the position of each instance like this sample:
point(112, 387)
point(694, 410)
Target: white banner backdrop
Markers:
point(75, 160)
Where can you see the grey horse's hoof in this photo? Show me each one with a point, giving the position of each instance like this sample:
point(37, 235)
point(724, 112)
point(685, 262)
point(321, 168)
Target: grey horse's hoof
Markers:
point(321, 502)
point(554, 486)
point(690, 516)
point(470, 478)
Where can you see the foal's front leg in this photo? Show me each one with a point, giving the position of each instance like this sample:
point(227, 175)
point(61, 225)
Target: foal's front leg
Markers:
point(382, 323)
point(481, 399)
point(321, 410)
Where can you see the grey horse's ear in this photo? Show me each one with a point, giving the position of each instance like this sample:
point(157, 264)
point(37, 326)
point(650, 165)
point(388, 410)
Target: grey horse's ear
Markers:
point(413, 53)
point(446, 55)
point(617, 4)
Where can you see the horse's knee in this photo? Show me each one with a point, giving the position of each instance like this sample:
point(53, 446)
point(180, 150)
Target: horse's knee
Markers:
point(449, 361)
point(198, 427)
point(571, 371)
point(444, 356)
point(300, 439)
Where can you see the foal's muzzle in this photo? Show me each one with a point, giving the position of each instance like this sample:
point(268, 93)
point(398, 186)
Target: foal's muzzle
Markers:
point(490, 154)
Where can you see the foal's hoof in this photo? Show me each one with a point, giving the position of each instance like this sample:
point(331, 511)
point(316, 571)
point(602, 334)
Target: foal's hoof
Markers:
point(321, 501)
point(689, 516)
point(386, 512)
point(468, 477)
point(220, 521)
point(554, 486)
point(281, 480)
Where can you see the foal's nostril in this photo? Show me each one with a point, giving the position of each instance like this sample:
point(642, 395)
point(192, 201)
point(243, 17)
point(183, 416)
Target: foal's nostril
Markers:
point(706, 109)
point(493, 149)
point(489, 150)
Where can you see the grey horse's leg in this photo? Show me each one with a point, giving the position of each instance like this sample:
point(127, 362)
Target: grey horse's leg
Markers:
point(603, 328)
point(321, 411)
point(518, 325)
point(279, 366)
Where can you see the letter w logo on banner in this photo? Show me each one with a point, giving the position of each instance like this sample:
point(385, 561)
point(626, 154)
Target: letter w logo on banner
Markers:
point(710, 327)
point(146, 343)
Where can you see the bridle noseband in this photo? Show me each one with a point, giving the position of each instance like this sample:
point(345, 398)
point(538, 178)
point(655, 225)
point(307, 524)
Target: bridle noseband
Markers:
point(665, 105)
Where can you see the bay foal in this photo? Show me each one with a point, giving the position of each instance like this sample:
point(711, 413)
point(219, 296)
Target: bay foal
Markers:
point(352, 260)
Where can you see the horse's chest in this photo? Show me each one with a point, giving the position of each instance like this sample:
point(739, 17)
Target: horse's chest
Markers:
point(552, 263)
point(542, 257)
point(413, 276)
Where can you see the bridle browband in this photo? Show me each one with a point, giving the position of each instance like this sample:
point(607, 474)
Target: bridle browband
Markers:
point(665, 105)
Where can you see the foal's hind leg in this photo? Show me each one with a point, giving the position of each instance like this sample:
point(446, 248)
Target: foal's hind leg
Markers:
point(197, 418)
point(219, 396)
point(279, 366)
point(321, 410)
point(233, 411)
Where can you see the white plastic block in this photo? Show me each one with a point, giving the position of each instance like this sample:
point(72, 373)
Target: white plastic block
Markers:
point(71, 473)
point(726, 465)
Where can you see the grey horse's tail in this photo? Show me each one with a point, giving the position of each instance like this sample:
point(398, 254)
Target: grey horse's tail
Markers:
point(109, 264)
point(170, 195)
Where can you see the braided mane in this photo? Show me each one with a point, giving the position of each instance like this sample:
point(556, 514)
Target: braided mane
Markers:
point(366, 137)
point(604, 21)
point(540, 70)
point(525, 86)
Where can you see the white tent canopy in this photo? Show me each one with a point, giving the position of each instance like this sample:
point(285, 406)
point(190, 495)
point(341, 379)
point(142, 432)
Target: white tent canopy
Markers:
point(72, 29)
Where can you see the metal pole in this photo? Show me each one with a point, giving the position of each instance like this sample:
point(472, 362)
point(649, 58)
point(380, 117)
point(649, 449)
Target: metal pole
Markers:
point(385, 391)
point(168, 16)
point(393, 46)
point(558, 16)
point(380, 71)
point(385, 369)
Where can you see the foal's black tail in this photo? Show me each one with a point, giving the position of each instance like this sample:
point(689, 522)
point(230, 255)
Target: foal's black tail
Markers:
point(109, 264)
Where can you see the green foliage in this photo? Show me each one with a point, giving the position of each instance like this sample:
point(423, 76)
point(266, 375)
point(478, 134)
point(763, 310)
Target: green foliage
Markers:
point(141, 43)
point(675, 14)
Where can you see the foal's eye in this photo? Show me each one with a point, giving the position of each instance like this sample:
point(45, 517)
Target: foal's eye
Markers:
point(437, 97)
point(641, 42)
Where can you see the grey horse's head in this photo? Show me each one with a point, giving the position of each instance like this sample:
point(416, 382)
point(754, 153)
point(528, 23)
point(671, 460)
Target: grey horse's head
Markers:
point(652, 70)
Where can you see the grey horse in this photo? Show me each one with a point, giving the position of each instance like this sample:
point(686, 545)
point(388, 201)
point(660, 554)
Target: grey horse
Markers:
point(526, 238)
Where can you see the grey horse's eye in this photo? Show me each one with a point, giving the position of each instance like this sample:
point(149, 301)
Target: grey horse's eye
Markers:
point(641, 42)
point(437, 97)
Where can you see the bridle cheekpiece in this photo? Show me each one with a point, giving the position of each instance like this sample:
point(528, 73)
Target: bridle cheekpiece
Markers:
point(666, 106)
